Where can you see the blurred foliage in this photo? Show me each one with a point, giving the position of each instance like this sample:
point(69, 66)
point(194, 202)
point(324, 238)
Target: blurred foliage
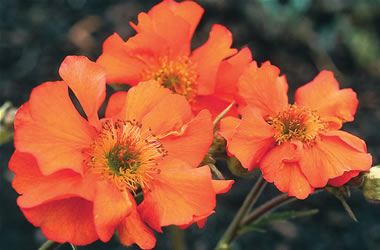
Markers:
point(258, 225)
point(323, 26)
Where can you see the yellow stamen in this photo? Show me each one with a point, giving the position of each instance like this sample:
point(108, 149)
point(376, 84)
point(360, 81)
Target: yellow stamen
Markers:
point(178, 74)
point(126, 154)
point(296, 123)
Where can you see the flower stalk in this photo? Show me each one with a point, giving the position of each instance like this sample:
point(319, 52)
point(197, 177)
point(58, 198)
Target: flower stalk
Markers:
point(177, 238)
point(247, 204)
point(267, 207)
point(50, 245)
point(222, 114)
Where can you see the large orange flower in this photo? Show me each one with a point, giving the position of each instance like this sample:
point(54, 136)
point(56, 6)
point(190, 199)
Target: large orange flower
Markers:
point(161, 51)
point(78, 175)
point(299, 147)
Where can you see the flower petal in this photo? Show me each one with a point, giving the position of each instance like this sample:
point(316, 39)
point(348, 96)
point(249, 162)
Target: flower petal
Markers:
point(280, 167)
point(209, 56)
point(353, 141)
point(229, 73)
point(133, 230)
point(192, 142)
point(222, 186)
point(343, 179)
point(251, 140)
point(200, 220)
point(149, 45)
point(213, 104)
point(291, 180)
point(121, 66)
point(168, 115)
point(190, 11)
point(323, 94)
point(62, 184)
point(88, 82)
point(116, 104)
point(140, 100)
point(111, 206)
point(37, 188)
point(66, 220)
point(26, 170)
point(260, 86)
point(177, 194)
point(228, 127)
point(50, 128)
point(162, 25)
point(330, 158)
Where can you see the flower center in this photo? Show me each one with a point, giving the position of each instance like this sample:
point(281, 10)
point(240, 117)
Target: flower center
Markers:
point(126, 154)
point(296, 123)
point(178, 75)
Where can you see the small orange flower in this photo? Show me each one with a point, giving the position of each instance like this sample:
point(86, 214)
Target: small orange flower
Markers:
point(298, 147)
point(161, 51)
point(78, 176)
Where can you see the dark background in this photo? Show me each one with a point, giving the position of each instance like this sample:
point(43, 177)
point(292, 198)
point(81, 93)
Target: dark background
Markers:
point(301, 37)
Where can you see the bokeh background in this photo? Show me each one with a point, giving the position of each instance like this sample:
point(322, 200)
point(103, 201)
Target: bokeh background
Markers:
point(301, 37)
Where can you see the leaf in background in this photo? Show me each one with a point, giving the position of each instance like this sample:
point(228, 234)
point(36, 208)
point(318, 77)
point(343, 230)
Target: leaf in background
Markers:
point(257, 225)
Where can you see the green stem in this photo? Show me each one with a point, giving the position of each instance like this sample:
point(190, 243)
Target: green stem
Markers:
point(247, 204)
point(216, 171)
point(50, 245)
point(347, 207)
point(268, 207)
point(177, 238)
point(222, 114)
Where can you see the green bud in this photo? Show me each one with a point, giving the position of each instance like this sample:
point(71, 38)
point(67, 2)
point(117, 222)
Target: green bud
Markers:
point(238, 170)
point(371, 184)
point(7, 114)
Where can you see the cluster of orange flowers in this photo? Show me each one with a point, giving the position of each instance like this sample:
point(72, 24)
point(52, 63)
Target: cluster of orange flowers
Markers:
point(81, 177)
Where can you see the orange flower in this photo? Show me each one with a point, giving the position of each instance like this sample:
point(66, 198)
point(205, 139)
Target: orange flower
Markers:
point(298, 147)
point(161, 51)
point(78, 176)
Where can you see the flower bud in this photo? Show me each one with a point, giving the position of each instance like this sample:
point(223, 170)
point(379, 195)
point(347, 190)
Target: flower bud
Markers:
point(237, 169)
point(371, 184)
point(7, 114)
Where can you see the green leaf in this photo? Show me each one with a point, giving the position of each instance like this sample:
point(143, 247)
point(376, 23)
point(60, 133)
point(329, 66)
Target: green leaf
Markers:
point(252, 228)
point(73, 247)
point(257, 225)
